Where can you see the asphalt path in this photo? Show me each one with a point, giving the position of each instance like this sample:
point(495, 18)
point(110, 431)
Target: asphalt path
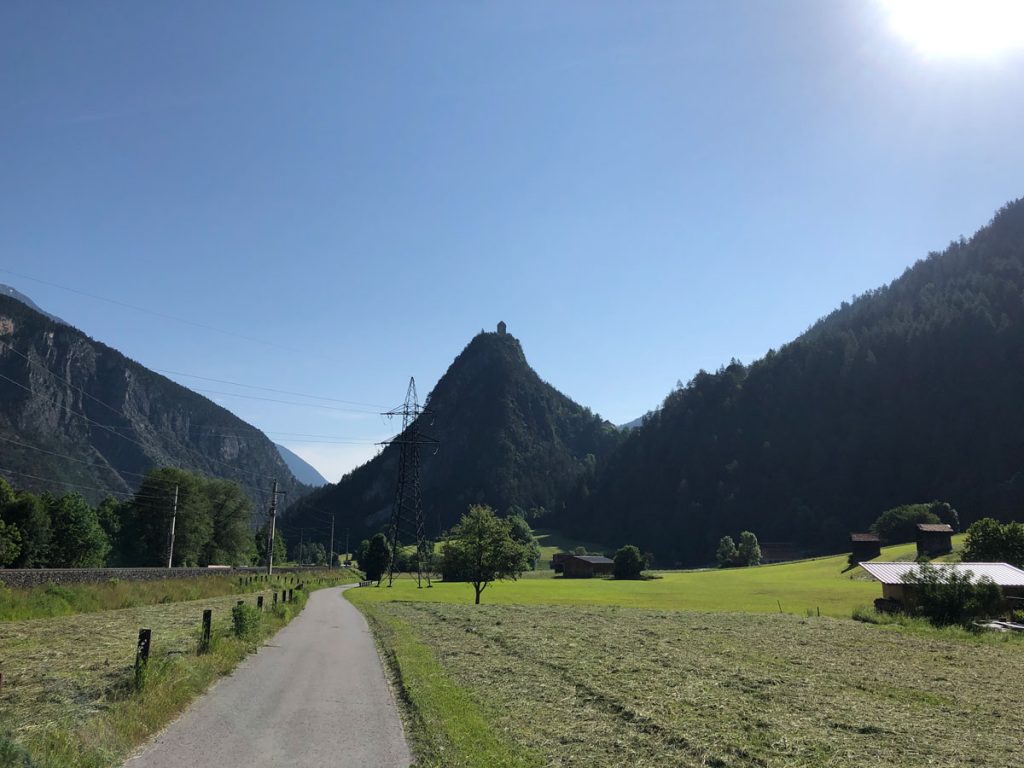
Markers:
point(315, 695)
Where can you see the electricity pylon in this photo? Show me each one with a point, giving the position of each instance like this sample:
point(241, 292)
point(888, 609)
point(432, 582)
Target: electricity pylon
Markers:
point(407, 514)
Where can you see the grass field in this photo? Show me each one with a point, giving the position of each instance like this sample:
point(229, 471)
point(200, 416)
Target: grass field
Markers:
point(824, 584)
point(611, 686)
point(67, 698)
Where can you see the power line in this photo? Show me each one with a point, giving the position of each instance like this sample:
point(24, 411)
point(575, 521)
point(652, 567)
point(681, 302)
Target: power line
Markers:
point(284, 402)
point(266, 389)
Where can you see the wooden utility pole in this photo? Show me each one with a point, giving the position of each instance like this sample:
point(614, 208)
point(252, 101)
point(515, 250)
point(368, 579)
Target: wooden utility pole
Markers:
point(174, 518)
point(331, 563)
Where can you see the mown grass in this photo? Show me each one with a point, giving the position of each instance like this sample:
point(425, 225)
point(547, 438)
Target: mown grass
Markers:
point(48, 600)
point(823, 585)
point(611, 686)
point(68, 698)
point(449, 728)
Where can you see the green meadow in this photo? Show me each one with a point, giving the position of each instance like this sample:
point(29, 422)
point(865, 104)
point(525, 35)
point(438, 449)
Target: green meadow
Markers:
point(823, 585)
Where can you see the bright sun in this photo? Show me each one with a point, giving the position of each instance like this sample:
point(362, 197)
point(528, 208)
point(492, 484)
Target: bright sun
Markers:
point(959, 28)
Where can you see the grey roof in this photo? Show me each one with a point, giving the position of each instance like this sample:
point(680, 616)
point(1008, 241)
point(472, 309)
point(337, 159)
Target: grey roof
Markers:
point(1003, 574)
point(865, 537)
point(935, 527)
point(595, 559)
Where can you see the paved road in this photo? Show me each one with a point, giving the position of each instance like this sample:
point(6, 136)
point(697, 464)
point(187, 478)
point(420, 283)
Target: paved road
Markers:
point(315, 696)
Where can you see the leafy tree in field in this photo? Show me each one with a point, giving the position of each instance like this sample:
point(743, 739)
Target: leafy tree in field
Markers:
point(522, 533)
point(990, 541)
point(29, 514)
point(944, 596)
point(375, 562)
point(749, 551)
point(231, 542)
point(360, 554)
point(150, 519)
point(78, 537)
point(10, 544)
point(312, 553)
point(579, 550)
point(726, 554)
point(899, 525)
point(481, 548)
point(628, 563)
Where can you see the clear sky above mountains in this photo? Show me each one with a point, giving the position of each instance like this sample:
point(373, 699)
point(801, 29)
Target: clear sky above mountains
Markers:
point(352, 190)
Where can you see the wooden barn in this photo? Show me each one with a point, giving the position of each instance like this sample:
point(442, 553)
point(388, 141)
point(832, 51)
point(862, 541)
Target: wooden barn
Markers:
point(891, 575)
point(586, 566)
point(864, 546)
point(934, 539)
point(558, 561)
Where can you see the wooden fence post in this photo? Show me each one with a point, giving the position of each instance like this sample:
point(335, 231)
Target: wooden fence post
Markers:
point(259, 602)
point(142, 657)
point(204, 639)
point(275, 598)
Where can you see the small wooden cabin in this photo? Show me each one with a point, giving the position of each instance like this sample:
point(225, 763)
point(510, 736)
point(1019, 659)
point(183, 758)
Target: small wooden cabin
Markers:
point(587, 566)
point(558, 561)
point(934, 539)
point(864, 546)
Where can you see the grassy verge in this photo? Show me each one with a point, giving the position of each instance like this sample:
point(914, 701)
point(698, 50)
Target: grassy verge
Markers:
point(68, 698)
point(58, 600)
point(606, 686)
point(445, 721)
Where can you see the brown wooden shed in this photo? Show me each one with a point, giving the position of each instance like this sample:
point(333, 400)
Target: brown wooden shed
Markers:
point(586, 566)
point(864, 546)
point(558, 561)
point(934, 539)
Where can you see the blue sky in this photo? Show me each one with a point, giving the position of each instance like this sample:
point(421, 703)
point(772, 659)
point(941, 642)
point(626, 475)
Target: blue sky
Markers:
point(639, 190)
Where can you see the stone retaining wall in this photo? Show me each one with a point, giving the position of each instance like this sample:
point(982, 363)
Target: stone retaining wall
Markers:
point(33, 577)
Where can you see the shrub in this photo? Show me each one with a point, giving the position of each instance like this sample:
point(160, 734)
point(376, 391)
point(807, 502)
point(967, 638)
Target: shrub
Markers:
point(245, 619)
point(947, 596)
point(628, 563)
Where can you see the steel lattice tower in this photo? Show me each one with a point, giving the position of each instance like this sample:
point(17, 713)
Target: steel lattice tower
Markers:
point(407, 513)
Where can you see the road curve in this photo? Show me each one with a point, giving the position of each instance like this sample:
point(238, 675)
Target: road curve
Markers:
point(314, 696)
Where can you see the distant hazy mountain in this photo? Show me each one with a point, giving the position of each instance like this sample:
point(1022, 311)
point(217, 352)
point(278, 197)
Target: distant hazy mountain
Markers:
point(14, 293)
point(634, 423)
point(78, 415)
point(506, 438)
point(304, 471)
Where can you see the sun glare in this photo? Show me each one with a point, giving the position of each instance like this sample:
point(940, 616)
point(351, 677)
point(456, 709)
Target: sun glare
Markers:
point(959, 28)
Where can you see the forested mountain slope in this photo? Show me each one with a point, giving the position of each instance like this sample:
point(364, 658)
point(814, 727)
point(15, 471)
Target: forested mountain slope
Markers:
point(912, 392)
point(78, 415)
point(505, 438)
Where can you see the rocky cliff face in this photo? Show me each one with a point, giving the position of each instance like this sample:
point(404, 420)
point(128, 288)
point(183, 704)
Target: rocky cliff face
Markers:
point(78, 415)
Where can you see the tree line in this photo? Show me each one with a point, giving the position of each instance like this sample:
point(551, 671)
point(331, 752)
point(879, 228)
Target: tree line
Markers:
point(212, 526)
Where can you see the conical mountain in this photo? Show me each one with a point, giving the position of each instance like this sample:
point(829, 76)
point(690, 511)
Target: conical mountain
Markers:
point(505, 438)
point(911, 393)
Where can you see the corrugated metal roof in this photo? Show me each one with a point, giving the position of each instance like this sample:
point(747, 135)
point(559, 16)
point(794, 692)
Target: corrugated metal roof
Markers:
point(593, 559)
point(935, 527)
point(1003, 574)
